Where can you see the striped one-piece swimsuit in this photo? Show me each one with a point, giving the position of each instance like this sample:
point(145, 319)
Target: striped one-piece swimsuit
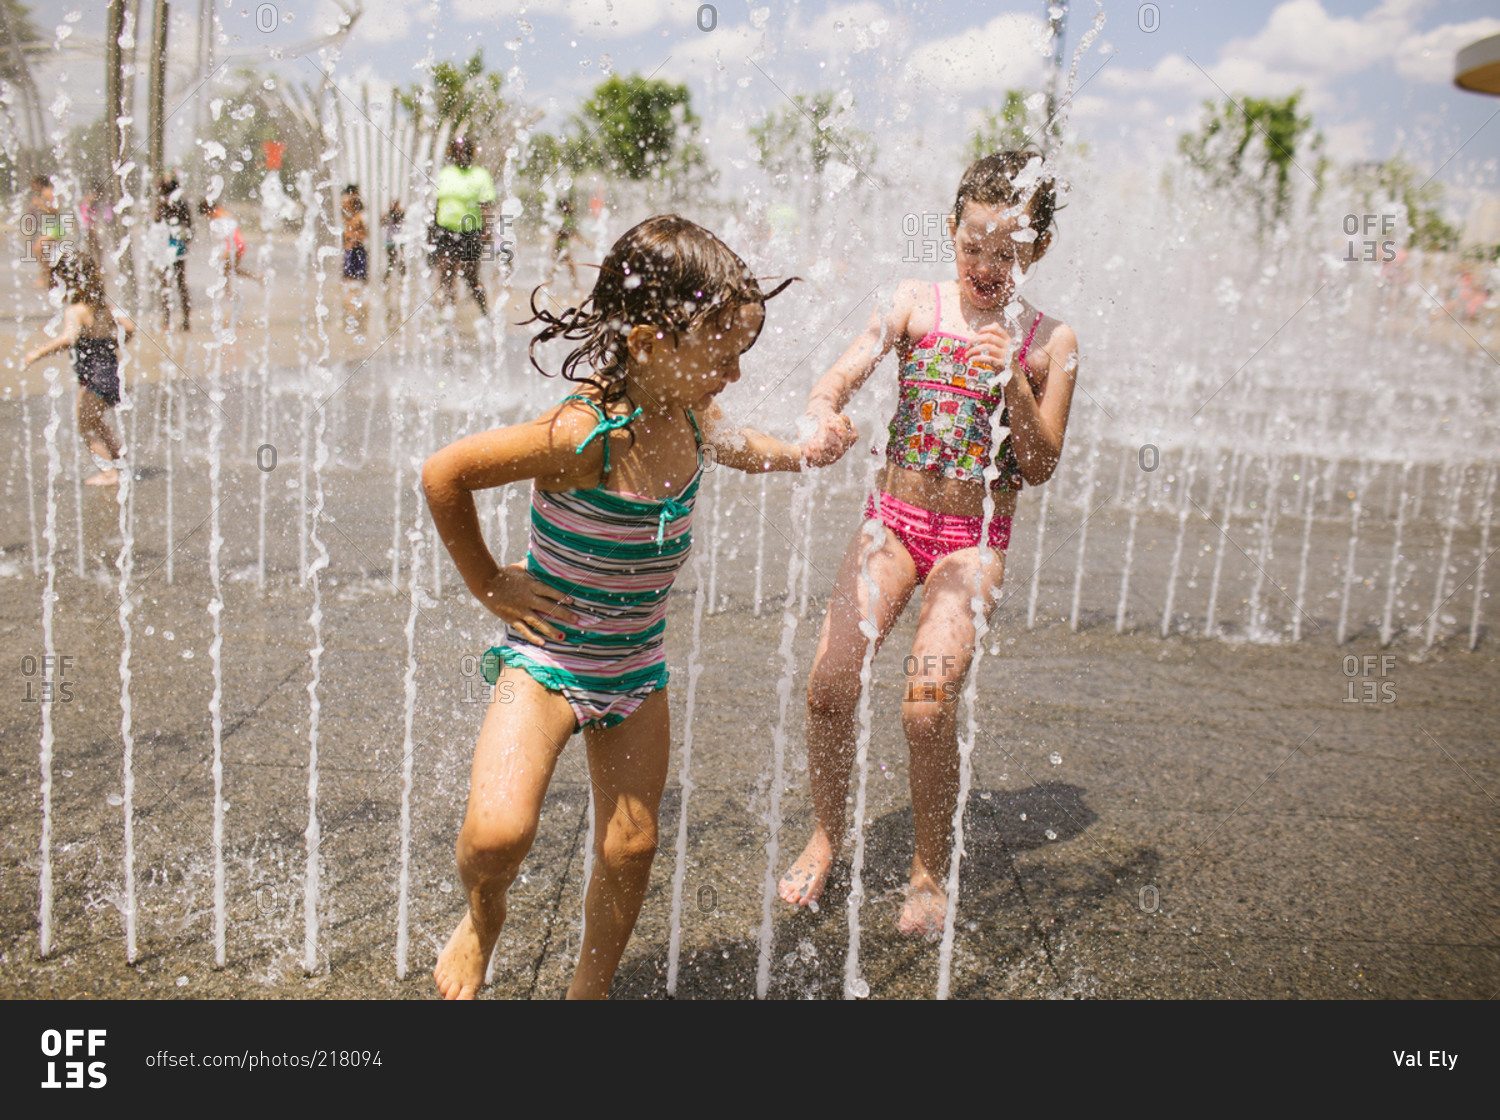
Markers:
point(616, 555)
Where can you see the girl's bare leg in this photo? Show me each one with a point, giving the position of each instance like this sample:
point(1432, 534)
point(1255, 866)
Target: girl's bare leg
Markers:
point(628, 769)
point(833, 696)
point(96, 433)
point(939, 664)
point(518, 748)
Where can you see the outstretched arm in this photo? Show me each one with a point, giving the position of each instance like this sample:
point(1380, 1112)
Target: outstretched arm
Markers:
point(825, 404)
point(747, 449)
point(72, 327)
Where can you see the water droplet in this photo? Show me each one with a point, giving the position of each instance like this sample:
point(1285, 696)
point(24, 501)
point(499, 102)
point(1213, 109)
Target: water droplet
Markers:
point(1051, 835)
point(182, 981)
point(446, 887)
point(115, 799)
point(859, 989)
point(1023, 816)
point(1055, 758)
point(167, 634)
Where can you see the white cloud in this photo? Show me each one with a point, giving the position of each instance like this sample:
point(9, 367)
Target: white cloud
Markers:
point(843, 29)
point(1302, 44)
point(1005, 53)
point(1174, 74)
point(1349, 142)
point(601, 18)
point(1431, 56)
point(383, 21)
point(1302, 40)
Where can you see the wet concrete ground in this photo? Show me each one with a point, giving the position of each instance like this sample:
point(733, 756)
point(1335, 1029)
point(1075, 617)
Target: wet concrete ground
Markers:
point(1188, 817)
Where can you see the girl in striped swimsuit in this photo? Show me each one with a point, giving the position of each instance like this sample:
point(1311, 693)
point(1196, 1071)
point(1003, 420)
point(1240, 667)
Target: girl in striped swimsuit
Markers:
point(957, 365)
point(615, 471)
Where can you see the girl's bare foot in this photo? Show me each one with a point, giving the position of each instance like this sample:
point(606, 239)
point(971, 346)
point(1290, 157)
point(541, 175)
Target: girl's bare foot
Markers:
point(803, 883)
point(461, 964)
point(110, 477)
point(924, 914)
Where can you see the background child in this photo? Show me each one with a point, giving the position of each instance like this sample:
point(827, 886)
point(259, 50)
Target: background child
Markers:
point(951, 339)
point(173, 211)
point(356, 258)
point(391, 223)
point(562, 244)
point(461, 224)
point(229, 242)
point(615, 471)
point(46, 227)
point(94, 331)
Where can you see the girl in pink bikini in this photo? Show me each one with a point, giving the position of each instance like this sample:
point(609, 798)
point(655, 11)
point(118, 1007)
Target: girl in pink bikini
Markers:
point(952, 343)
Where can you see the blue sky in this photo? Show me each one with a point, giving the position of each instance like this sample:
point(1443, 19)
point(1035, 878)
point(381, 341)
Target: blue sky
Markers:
point(1377, 76)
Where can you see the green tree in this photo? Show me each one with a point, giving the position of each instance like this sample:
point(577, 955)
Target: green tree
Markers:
point(638, 128)
point(21, 44)
point(1020, 121)
point(807, 135)
point(1252, 146)
point(1398, 180)
point(633, 129)
point(462, 99)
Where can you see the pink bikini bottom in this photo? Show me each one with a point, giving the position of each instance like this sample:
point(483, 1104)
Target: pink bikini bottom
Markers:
point(930, 536)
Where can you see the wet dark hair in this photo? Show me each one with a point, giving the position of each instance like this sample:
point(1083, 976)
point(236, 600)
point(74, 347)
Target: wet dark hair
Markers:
point(461, 150)
point(991, 181)
point(666, 272)
point(82, 278)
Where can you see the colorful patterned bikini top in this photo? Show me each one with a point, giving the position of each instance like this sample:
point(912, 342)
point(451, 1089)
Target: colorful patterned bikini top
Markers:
point(943, 410)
